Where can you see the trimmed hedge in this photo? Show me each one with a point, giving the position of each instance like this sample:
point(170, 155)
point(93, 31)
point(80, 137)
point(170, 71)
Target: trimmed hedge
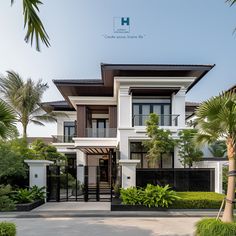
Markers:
point(213, 227)
point(198, 200)
point(7, 229)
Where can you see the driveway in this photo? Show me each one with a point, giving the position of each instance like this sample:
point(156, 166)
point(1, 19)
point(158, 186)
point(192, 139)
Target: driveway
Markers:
point(82, 226)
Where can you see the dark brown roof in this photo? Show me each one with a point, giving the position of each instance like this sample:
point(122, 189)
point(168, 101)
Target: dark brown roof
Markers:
point(104, 87)
point(56, 106)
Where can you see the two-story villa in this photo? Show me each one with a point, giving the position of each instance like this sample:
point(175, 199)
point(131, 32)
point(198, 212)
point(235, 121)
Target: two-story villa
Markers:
point(106, 117)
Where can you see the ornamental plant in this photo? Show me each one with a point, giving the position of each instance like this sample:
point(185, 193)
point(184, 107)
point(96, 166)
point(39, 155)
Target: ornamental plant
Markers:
point(160, 141)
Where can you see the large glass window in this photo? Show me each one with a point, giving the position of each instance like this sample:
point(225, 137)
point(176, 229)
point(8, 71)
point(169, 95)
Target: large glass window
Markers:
point(69, 131)
point(143, 107)
point(139, 152)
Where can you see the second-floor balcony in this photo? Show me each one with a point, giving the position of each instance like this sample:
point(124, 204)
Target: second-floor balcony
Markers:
point(90, 133)
point(164, 120)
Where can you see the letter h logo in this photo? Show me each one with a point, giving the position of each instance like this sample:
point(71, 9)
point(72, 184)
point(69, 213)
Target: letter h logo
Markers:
point(121, 24)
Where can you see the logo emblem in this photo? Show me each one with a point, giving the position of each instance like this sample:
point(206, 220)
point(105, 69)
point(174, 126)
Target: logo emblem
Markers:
point(121, 24)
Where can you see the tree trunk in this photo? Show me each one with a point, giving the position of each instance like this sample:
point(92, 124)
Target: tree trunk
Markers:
point(24, 131)
point(229, 206)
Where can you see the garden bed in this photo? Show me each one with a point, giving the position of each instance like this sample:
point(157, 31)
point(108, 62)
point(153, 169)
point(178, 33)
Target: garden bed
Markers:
point(29, 206)
point(188, 200)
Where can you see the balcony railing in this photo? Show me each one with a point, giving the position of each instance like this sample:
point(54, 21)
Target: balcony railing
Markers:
point(63, 138)
point(164, 120)
point(101, 132)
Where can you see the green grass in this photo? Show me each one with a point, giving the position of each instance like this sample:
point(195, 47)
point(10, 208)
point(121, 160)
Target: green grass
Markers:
point(198, 200)
point(213, 227)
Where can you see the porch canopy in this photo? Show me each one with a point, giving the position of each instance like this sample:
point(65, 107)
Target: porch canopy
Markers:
point(95, 150)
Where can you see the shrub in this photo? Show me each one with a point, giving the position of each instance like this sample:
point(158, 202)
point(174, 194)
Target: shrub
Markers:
point(132, 196)
point(12, 167)
point(23, 196)
point(6, 203)
point(38, 193)
point(157, 196)
point(213, 227)
point(151, 196)
point(198, 200)
point(7, 229)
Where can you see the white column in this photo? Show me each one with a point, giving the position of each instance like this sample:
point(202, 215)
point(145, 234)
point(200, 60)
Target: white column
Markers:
point(178, 106)
point(38, 172)
point(128, 172)
point(124, 108)
point(80, 163)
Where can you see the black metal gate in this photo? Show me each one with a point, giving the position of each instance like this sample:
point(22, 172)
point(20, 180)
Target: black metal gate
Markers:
point(80, 183)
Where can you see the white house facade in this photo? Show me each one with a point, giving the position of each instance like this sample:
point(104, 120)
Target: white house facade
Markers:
point(105, 122)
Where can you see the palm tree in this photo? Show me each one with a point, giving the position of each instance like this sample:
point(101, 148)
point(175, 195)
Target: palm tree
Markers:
point(24, 98)
point(7, 121)
point(216, 119)
point(35, 28)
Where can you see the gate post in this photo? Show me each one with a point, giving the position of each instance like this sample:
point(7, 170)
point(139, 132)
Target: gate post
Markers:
point(85, 183)
point(38, 173)
point(128, 172)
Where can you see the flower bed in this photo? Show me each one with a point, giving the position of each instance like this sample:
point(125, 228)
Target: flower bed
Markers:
point(185, 200)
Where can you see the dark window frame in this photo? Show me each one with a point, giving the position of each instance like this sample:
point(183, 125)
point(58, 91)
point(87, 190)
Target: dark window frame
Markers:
point(66, 126)
point(143, 153)
point(140, 104)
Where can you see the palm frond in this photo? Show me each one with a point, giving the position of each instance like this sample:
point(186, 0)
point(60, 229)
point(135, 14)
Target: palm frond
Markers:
point(36, 122)
point(35, 28)
point(45, 118)
point(216, 118)
point(231, 2)
point(7, 121)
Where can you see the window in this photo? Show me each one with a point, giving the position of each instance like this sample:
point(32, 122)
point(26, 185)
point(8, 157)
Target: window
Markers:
point(139, 152)
point(69, 131)
point(143, 107)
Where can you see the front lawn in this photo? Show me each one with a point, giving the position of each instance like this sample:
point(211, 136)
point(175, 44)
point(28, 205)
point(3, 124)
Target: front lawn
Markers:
point(198, 200)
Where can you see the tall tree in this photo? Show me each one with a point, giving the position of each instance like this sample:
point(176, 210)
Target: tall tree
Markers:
point(7, 121)
point(188, 151)
point(160, 141)
point(34, 26)
point(216, 119)
point(24, 98)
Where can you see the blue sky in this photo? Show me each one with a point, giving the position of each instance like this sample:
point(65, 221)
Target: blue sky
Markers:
point(183, 31)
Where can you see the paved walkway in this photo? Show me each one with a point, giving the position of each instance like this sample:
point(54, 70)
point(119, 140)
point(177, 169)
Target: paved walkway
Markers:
point(73, 206)
point(105, 226)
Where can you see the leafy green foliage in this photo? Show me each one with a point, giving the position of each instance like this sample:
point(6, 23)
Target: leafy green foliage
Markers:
point(45, 151)
point(132, 196)
point(7, 229)
point(188, 151)
point(160, 141)
point(29, 195)
point(35, 28)
point(23, 196)
point(6, 203)
point(218, 148)
point(198, 200)
point(151, 196)
point(157, 196)
point(213, 227)
point(12, 167)
point(38, 193)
